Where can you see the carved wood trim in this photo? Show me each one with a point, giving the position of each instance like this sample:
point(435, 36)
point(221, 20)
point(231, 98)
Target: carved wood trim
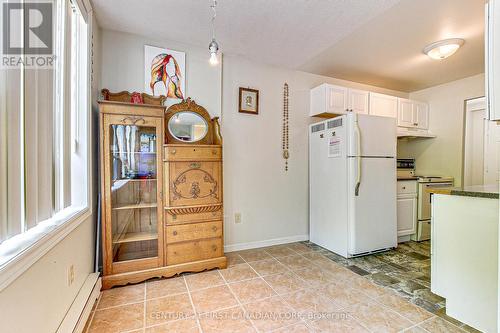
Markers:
point(125, 96)
point(193, 209)
point(194, 189)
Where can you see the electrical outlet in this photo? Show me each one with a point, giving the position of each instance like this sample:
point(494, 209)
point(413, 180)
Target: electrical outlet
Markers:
point(71, 275)
point(237, 218)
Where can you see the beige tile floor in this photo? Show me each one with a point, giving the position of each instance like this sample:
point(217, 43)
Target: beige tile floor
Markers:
point(286, 288)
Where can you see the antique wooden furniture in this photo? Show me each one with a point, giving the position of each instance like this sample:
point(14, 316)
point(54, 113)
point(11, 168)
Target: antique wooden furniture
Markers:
point(161, 205)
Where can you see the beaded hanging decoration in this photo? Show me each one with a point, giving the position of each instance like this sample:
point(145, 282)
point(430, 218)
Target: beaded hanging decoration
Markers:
point(285, 141)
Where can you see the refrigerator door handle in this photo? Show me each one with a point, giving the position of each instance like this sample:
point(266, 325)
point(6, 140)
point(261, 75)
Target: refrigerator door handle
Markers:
point(359, 153)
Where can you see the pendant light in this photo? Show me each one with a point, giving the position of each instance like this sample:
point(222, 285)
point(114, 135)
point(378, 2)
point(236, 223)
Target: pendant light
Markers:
point(443, 48)
point(213, 47)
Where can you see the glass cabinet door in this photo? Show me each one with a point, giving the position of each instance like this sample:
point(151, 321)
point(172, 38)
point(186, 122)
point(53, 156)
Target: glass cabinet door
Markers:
point(133, 172)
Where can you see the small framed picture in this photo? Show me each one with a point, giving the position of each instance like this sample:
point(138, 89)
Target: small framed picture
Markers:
point(249, 101)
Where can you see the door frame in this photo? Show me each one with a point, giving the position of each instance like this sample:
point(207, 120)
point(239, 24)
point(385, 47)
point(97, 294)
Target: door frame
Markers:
point(464, 128)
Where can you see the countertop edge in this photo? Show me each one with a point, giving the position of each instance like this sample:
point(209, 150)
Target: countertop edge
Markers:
point(464, 193)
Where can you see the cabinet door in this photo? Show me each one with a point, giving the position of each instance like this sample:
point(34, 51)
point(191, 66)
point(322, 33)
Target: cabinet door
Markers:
point(383, 105)
point(407, 215)
point(336, 99)
point(132, 190)
point(405, 113)
point(421, 115)
point(358, 101)
point(194, 183)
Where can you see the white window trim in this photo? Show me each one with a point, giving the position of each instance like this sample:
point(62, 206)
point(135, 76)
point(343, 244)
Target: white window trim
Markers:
point(20, 252)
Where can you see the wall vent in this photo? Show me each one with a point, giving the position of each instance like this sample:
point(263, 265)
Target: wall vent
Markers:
point(334, 123)
point(318, 127)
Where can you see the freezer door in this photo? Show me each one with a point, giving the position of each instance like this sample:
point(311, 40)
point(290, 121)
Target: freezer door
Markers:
point(372, 213)
point(328, 187)
point(377, 134)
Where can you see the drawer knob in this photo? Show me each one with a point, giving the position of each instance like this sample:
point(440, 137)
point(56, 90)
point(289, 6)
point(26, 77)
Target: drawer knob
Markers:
point(173, 151)
point(404, 187)
point(214, 248)
point(214, 228)
point(214, 152)
point(174, 217)
point(175, 233)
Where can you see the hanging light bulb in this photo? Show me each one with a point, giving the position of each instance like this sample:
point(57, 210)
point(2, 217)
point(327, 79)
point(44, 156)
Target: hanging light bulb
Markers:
point(213, 47)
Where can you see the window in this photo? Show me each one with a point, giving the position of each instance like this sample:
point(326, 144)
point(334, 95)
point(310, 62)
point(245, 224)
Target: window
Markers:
point(44, 137)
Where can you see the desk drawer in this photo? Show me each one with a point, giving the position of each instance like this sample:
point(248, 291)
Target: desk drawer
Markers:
point(192, 153)
point(194, 231)
point(179, 253)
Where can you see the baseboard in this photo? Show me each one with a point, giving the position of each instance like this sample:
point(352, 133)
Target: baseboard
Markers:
point(264, 243)
point(79, 312)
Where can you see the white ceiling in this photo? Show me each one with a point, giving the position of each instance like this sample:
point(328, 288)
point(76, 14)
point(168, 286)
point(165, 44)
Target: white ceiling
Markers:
point(387, 51)
point(370, 41)
point(279, 32)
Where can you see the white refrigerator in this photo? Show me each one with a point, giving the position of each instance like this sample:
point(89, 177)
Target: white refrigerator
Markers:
point(352, 184)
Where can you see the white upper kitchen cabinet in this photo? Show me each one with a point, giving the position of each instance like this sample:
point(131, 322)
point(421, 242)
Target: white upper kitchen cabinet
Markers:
point(328, 100)
point(421, 112)
point(413, 114)
point(358, 101)
point(405, 113)
point(383, 105)
point(492, 70)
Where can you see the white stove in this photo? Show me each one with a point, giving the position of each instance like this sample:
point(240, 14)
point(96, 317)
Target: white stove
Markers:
point(406, 170)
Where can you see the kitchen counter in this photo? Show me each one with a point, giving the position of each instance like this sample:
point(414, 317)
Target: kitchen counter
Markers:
point(477, 191)
point(464, 248)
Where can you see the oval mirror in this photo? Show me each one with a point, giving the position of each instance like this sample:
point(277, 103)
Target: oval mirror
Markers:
point(187, 126)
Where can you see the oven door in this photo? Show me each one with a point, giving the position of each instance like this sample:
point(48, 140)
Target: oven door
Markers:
point(424, 198)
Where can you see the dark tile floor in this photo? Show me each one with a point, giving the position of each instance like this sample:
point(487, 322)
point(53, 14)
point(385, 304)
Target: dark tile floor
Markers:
point(406, 269)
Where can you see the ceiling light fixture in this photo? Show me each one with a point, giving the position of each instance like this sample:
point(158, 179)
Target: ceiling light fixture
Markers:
point(213, 47)
point(443, 48)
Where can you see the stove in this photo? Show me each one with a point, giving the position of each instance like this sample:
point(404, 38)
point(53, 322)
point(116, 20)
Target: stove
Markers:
point(406, 171)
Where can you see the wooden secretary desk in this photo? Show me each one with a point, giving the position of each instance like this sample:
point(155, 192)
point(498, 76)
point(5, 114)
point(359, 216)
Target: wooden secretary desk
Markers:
point(162, 207)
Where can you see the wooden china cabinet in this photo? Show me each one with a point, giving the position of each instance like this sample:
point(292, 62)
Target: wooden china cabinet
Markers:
point(162, 207)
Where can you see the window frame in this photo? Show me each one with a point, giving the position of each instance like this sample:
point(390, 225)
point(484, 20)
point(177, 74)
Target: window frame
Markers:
point(20, 252)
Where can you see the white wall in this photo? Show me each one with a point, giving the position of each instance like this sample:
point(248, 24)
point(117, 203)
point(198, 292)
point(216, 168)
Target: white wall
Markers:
point(123, 68)
point(273, 203)
point(442, 156)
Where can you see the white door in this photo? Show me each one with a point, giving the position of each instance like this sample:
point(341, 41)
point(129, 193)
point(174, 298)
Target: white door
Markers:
point(337, 101)
point(405, 113)
point(421, 115)
point(407, 215)
point(372, 212)
point(383, 105)
point(358, 101)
